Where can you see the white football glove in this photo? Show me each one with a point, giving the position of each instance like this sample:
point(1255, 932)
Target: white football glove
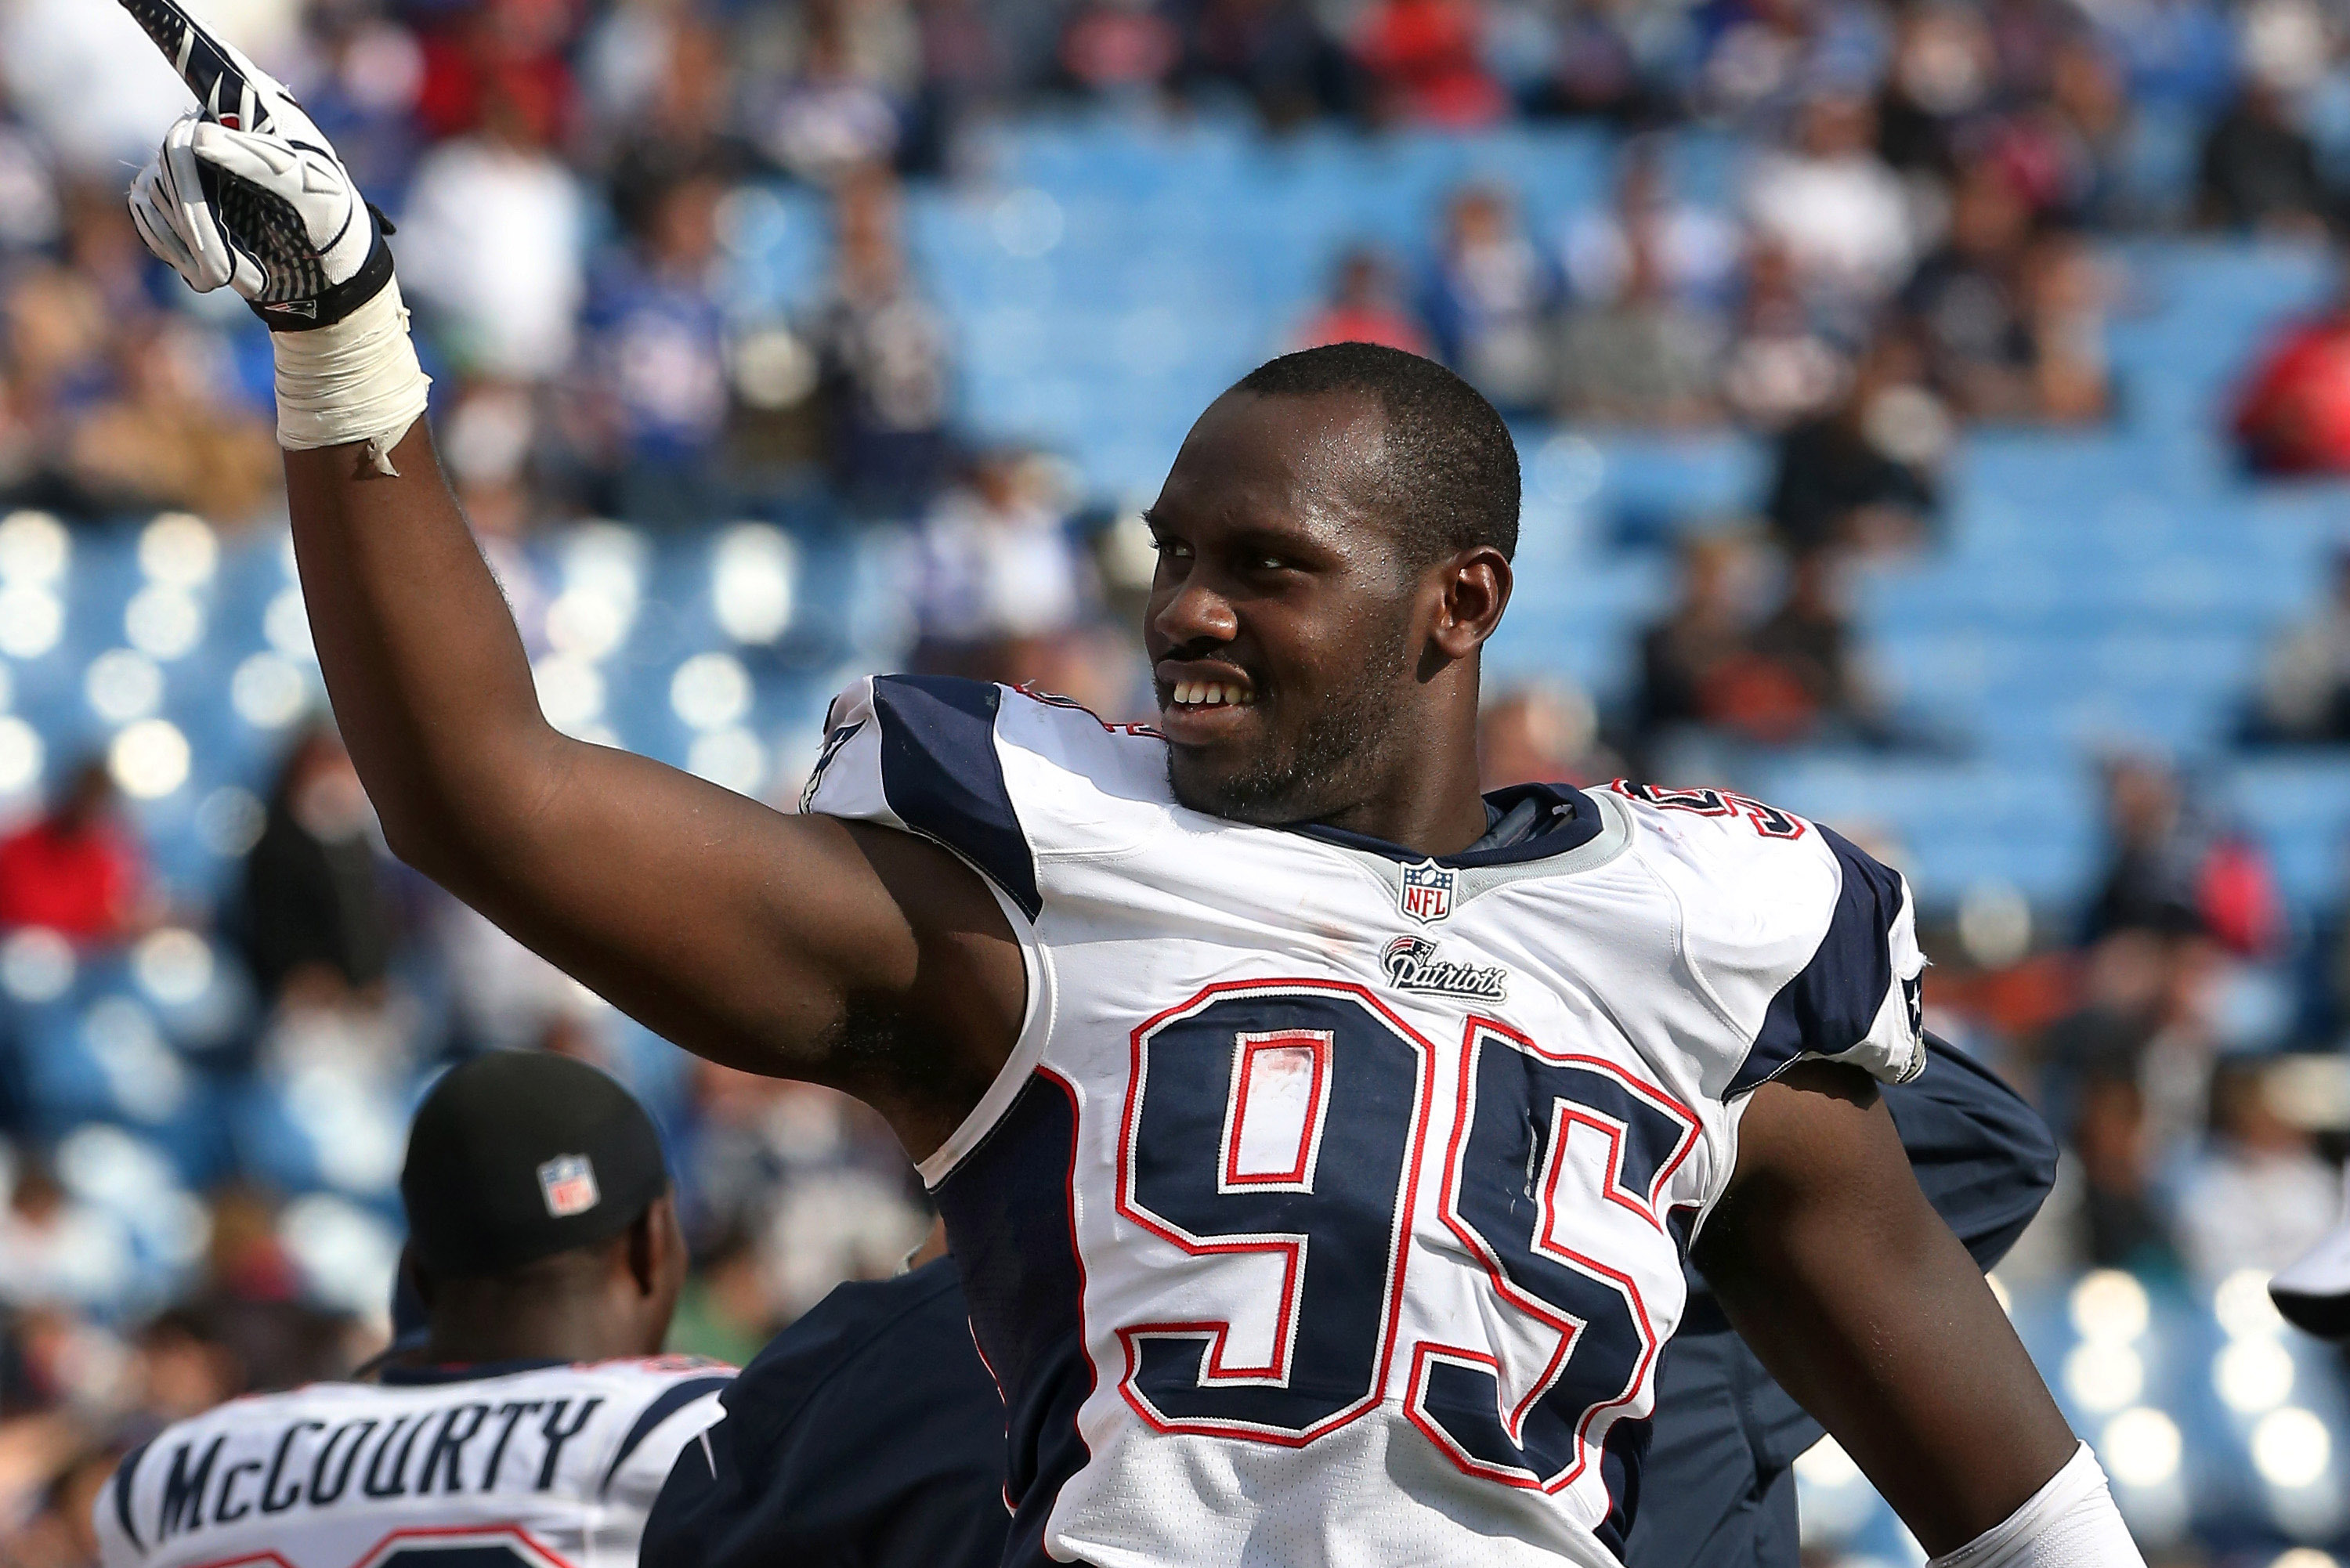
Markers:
point(246, 192)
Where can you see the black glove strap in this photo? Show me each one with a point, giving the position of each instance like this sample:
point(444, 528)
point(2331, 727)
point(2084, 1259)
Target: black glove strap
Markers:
point(308, 315)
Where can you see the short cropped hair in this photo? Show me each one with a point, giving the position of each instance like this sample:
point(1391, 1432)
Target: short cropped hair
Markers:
point(1451, 474)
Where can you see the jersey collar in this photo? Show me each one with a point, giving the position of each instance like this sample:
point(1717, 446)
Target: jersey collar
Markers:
point(1524, 822)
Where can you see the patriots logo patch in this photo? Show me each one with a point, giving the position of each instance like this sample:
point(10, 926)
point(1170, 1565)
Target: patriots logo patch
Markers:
point(1412, 965)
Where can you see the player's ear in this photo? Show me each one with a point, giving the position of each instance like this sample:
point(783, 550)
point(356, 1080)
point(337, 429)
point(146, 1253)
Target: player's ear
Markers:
point(657, 1251)
point(1475, 589)
point(413, 1275)
point(645, 1259)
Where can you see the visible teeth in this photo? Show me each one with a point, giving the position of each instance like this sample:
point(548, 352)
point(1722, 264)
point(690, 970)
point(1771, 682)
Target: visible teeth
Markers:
point(1209, 694)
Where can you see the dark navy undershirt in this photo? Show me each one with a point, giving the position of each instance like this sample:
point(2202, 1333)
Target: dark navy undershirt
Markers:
point(1524, 822)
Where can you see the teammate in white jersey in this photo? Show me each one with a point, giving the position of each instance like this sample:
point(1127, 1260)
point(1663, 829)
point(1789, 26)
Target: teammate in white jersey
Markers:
point(1319, 1140)
point(535, 1426)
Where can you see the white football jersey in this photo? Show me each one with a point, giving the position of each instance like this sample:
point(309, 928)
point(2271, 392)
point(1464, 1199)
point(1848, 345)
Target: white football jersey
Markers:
point(548, 1467)
point(1332, 1207)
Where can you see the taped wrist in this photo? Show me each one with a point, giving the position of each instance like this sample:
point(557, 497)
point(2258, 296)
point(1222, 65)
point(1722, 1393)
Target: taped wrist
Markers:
point(355, 380)
point(2070, 1523)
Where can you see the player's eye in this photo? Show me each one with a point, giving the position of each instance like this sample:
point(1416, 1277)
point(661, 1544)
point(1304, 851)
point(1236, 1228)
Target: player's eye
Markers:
point(1174, 549)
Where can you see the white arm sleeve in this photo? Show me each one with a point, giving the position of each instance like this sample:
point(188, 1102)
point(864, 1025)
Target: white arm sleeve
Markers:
point(2071, 1522)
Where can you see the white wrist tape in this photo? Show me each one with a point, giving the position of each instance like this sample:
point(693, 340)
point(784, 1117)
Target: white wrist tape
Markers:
point(355, 380)
point(2071, 1522)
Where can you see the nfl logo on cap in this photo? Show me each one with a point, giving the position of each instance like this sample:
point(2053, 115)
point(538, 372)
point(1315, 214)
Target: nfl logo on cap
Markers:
point(568, 1183)
point(1427, 893)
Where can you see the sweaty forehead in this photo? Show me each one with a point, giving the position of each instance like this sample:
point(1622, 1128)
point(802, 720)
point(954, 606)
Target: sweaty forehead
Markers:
point(1310, 460)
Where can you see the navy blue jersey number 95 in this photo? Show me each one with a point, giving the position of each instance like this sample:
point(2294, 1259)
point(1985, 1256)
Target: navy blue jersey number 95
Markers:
point(1282, 1128)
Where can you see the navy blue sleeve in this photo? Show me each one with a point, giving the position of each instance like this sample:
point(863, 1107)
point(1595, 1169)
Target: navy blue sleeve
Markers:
point(1984, 1158)
point(942, 776)
point(1833, 1003)
point(866, 1434)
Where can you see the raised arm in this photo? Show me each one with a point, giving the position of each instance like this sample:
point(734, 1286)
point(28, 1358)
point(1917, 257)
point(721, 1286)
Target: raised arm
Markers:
point(796, 945)
point(1863, 1304)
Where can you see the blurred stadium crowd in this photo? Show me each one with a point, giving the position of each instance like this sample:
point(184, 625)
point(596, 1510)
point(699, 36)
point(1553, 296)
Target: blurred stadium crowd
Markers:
point(1927, 409)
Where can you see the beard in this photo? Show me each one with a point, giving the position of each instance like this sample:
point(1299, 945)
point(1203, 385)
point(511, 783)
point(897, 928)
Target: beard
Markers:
point(1323, 768)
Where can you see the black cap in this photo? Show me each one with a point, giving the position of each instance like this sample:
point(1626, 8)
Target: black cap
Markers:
point(519, 1155)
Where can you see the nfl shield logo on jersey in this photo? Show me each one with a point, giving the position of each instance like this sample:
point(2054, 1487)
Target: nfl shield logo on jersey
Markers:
point(1427, 893)
point(569, 1184)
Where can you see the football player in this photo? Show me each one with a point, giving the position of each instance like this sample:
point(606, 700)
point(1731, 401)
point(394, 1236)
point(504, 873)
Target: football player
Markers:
point(1320, 1140)
point(534, 1425)
point(869, 1435)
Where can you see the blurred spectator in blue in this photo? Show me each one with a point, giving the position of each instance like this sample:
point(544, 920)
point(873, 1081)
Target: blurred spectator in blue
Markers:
point(2304, 692)
point(1863, 473)
point(1962, 298)
point(2062, 150)
point(2176, 871)
point(366, 76)
point(1642, 357)
point(1546, 732)
point(55, 354)
point(2258, 167)
point(166, 438)
point(2176, 52)
point(1276, 52)
point(883, 349)
point(1943, 73)
point(1598, 70)
point(315, 916)
point(492, 244)
point(655, 357)
point(833, 110)
point(1426, 64)
point(60, 327)
point(661, 80)
point(1000, 572)
point(1692, 250)
point(1490, 302)
point(1780, 367)
point(1362, 307)
point(1762, 55)
point(2256, 1196)
point(77, 869)
point(1832, 203)
point(2010, 323)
